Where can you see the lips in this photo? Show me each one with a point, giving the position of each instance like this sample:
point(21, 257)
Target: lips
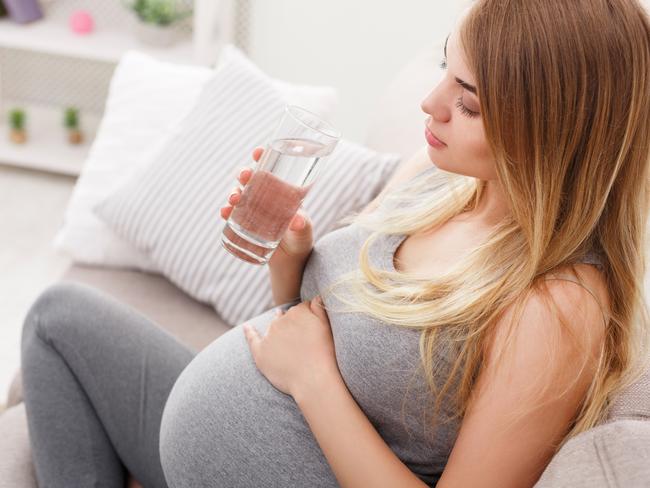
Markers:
point(432, 139)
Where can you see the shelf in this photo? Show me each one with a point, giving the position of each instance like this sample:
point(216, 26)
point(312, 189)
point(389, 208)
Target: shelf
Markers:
point(54, 37)
point(46, 148)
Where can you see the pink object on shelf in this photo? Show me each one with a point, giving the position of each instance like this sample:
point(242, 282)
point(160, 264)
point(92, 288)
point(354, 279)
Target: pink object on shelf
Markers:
point(81, 22)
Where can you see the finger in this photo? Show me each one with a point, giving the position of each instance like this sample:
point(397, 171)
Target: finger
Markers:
point(245, 175)
point(298, 222)
point(235, 196)
point(318, 307)
point(252, 337)
point(257, 153)
point(225, 212)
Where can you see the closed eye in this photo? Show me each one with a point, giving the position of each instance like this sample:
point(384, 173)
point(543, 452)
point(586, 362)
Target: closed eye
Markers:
point(459, 103)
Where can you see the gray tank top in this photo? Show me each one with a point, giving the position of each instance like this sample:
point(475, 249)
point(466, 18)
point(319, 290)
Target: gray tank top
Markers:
point(378, 361)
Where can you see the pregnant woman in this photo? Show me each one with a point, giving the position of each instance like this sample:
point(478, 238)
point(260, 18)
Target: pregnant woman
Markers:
point(481, 311)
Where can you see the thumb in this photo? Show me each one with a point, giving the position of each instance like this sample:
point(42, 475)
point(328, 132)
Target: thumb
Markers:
point(300, 223)
point(318, 308)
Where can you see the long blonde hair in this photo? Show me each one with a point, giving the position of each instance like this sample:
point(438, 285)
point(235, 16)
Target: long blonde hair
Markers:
point(564, 95)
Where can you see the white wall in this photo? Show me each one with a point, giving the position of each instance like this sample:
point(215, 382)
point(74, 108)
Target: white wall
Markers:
point(356, 46)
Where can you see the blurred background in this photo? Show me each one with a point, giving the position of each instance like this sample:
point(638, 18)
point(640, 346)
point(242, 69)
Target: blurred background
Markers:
point(57, 58)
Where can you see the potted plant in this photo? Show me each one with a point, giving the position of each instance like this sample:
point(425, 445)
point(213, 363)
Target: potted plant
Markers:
point(17, 133)
point(71, 122)
point(23, 11)
point(156, 19)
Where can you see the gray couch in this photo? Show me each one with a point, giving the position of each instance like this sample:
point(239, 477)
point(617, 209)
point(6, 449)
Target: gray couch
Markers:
point(614, 454)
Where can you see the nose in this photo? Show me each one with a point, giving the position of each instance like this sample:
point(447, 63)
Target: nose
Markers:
point(435, 104)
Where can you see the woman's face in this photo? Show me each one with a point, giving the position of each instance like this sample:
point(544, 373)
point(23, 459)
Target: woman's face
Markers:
point(454, 119)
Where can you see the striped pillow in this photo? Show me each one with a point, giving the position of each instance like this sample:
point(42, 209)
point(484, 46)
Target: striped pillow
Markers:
point(170, 209)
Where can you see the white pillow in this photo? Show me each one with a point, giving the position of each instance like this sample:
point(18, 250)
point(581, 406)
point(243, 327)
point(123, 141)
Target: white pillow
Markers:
point(170, 210)
point(320, 99)
point(147, 99)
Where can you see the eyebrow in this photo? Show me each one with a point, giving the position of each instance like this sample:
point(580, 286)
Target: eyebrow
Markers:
point(462, 83)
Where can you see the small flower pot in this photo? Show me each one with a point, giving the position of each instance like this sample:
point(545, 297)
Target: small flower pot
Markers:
point(75, 136)
point(18, 136)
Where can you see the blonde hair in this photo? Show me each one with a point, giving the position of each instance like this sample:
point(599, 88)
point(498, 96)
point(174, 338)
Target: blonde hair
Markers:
point(565, 101)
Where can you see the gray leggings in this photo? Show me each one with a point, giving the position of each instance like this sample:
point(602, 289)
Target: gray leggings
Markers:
point(102, 397)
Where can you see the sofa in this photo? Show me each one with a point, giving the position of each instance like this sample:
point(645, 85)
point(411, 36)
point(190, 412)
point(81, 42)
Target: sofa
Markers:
point(613, 454)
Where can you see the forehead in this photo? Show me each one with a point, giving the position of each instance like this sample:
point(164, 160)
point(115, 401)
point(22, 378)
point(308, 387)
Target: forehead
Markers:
point(456, 59)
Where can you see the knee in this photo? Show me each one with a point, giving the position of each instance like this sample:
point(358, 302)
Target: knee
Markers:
point(54, 309)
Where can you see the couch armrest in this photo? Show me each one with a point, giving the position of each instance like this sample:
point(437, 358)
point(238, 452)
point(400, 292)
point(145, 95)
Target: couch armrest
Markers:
point(16, 467)
point(612, 454)
point(15, 395)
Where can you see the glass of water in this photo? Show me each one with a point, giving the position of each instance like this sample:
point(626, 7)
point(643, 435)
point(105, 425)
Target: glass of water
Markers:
point(280, 182)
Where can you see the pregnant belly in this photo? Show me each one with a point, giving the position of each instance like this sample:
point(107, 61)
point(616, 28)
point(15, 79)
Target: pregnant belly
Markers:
point(224, 424)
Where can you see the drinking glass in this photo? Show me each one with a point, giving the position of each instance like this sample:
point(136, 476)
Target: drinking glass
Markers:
point(281, 180)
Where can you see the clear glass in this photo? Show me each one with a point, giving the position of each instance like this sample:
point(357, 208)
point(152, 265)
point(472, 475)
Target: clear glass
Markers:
point(281, 180)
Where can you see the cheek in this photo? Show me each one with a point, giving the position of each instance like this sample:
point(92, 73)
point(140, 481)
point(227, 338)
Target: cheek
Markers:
point(474, 153)
point(467, 152)
point(479, 149)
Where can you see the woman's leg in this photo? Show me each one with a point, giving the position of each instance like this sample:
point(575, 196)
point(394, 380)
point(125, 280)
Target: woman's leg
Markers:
point(96, 377)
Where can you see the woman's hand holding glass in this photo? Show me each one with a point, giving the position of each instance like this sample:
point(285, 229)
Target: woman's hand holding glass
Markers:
point(297, 242)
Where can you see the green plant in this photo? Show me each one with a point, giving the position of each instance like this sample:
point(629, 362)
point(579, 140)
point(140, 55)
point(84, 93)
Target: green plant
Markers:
point(158, 12)
point(17, 119)
point(71, 118)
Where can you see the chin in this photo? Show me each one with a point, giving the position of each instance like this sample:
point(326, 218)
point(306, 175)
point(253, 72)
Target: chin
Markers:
point(439, 162)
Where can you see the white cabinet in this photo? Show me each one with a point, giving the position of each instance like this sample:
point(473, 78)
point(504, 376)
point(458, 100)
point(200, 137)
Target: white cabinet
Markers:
point(45, 67)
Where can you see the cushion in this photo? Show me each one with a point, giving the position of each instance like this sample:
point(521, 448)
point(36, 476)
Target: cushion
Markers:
point(615, 454)
point(146, 99)
point(16, 468)
point(634, 401)
point(170, 210)
point(15, 394)
point(138, 110)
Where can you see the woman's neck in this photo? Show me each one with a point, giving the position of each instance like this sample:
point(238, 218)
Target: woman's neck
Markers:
point(491, 209)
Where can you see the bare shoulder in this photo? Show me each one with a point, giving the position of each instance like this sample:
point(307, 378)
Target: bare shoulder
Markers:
point(571, 312)
point(570, 302)
point(583, 284)
point(406, 170)
point(530, 386)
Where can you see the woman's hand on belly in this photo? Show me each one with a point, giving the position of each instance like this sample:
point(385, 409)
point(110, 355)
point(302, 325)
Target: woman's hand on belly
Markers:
point(297, 351)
